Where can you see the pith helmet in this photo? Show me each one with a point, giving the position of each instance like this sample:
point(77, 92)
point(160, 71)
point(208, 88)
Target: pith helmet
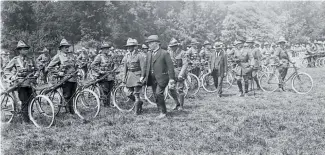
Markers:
point(282, 40)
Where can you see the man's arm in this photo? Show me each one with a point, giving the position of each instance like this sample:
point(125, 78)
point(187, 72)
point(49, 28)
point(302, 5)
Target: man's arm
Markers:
point(184, 65)
point(170, 66)
point(10, 65)
point(95, 63)
point(53, 62)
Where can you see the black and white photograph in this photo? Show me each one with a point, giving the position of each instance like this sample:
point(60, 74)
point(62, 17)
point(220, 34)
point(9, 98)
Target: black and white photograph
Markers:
point(162, 77)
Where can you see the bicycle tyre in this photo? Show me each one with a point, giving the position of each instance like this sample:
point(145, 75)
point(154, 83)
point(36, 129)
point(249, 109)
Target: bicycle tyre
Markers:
point(56, 97)
point(83, 112)
point(208, 83)
point(31, 111)
point(121, 101)
point(269, 82)
point(193, 84)
point(7, 108)
point(299, 76)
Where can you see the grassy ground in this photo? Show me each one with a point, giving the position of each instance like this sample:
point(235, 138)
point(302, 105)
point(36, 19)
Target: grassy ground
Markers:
point(276, 123)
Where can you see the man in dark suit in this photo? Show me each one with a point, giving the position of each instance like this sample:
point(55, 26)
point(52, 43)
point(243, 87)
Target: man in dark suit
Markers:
point(158, 72)
point(218, 66)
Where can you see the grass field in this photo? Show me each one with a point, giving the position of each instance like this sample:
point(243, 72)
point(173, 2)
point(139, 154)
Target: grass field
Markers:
point(276, 123)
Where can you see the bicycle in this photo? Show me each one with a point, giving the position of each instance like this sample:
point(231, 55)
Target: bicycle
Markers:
point(40, 108)
point(270, 82)
point(86, 103)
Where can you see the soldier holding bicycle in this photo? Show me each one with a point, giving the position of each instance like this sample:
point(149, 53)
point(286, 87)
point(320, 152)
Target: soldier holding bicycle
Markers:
point(24, 66)
point(103, 64)
point(67, 65)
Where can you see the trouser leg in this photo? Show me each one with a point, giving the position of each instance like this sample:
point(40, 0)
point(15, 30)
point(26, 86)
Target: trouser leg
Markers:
point(24, 94)
point(69, 89)
point(138, 101)
point(161, 98)
point(106, 87)
point(246, 79)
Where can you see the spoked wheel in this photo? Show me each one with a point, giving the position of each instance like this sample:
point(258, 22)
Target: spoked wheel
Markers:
point(208, 83)
point(41, 111)
point(86, 104)
point(269, 82)
point(149, 95)
point(302, 83)
point(7, 108)
point(121, 101)
point(52, 78)
point(40, 79)
point(193, 84)
point(57, 99)
point(230, 78)
point(96, 88)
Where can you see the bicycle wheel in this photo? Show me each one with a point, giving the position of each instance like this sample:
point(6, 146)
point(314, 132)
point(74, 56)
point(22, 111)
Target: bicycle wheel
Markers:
point(149, 95)
point(121, 100)
point(302, 83)
point(41, 111)
point(193, 84)
point(208, 83)
point(269, 82)
point(57, 99)
point(86, 104)
point(7, 108)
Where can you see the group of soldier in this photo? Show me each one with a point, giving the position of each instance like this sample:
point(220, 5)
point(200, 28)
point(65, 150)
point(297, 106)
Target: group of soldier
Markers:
point(149, 64)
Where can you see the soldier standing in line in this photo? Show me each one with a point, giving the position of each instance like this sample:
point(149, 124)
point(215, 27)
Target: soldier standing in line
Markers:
point(43, 61)
point(133, 67)
point(24, 66)
point(103, 64)
point(66, 60)
point(83, 60)
point(180, 61)
point(257, 62)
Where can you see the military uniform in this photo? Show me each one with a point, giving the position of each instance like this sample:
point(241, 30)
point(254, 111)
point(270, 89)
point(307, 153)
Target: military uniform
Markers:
point(24, 66)
point(83, 60)
point(67, 66)
point(102, 65)
point(257, 65)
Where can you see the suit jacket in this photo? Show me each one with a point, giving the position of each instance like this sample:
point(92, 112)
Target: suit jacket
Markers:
point(218, 62)
point(163, 68)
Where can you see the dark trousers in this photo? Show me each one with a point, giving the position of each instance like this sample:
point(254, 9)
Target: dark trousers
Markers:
point(69, 89)
point(24, 94)
point(158, 92)
point(85, 69)
point(107, 87)
point(217, 79)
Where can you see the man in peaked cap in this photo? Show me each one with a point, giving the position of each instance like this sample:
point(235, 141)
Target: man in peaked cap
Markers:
point(24, 66)
point(103, 64)
point(218, 66)
point(133, 67)
point(180, 62)
point(283, 58)
point(159, 72)
point(66, 60)
point(43, 61)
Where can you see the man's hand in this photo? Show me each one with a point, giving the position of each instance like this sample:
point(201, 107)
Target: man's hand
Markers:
point(171, 84)
point(141, 79)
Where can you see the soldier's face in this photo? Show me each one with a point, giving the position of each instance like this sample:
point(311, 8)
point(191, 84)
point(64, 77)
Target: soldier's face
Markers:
point(208, 46)
point(65, 49)
point(23, 51)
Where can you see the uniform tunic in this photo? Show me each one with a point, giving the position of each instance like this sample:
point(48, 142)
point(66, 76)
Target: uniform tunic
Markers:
point(245, 59)
point(66, 62)
point(24, 66)
point(103, 63)
point(134, 64)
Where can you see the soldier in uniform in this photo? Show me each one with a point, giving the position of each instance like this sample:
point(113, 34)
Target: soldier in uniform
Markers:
point(102, 64)
point(66, 61)
point(218, 66)
point(204, 54)
point(180, 61)
point(83, 60)
point(245, 61)
point(43, 61)
point(4, 58)
point(194, 59)
point(257, 61)
point(24, 65)
point(133, 67)
point(282, 56)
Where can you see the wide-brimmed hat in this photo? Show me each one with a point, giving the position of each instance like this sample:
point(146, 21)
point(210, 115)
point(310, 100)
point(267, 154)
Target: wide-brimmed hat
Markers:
point(282, 40)
point(206, 43)
point(173, 42)
point(194, 42)
point(144, 46)
point(106, 45)
point(249, 40)
point(22, 44)
point(237, 42)
point(152, 38)
point(64, 42)
point(44, 50)
point(319, 42)
point(131, 42)
point(218, 45)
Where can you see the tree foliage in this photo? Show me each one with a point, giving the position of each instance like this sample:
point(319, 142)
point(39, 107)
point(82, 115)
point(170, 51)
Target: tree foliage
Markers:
point(45, 23)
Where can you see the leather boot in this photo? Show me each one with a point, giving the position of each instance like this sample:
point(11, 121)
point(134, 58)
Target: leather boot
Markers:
point(181, 101)
point(240, 86)
point(174, 96)
point(246, 86)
